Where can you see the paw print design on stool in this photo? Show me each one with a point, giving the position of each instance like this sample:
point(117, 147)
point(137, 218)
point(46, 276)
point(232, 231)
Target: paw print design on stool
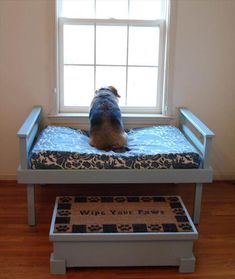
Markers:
point(62, 228)
point(124, 228)
point(63, 212)
point(154, 228)
point(185, 227)
point(94, 228)
point(65, 200)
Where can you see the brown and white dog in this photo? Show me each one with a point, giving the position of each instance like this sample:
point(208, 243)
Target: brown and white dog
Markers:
point(106, 126)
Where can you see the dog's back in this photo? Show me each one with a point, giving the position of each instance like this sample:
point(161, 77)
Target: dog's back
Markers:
point(106, 127)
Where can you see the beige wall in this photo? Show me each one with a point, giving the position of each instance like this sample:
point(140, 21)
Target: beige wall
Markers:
point(26, 60)
point(202, 71)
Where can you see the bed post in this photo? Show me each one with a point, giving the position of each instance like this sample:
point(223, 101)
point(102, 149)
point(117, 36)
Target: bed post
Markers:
point(27, 134)
point(31, 204)
point(197, 203)
point(24, 164)
point(189, 123)
point(198, 187)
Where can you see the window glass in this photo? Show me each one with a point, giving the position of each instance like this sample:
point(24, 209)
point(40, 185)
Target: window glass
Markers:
point(112, 9)
point(78, 44)
point(111, 45)
point(145, 9)
point(78, 85)
point(78, 8)
point(143, 46)
point(142, 86)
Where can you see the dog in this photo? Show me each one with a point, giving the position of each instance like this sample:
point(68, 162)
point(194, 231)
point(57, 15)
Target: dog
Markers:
point(106, 126)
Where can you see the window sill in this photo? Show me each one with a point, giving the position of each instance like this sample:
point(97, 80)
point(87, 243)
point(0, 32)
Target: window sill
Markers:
point(130, 120)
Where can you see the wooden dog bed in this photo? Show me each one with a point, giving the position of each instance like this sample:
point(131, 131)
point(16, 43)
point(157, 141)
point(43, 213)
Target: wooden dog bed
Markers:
point(199, 135)
point(121, 231)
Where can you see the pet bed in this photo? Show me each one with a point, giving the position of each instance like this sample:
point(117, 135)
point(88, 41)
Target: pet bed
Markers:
point(170, 158)
point(149, 148)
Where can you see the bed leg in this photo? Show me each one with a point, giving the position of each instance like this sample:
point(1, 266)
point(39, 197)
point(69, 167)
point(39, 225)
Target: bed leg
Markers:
point(31, 204)
point(197, 203)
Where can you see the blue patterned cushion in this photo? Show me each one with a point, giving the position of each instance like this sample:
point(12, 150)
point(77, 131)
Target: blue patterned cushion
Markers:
point(161, 147)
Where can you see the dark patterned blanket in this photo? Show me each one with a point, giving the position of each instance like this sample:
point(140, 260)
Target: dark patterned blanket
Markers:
point(157, 147)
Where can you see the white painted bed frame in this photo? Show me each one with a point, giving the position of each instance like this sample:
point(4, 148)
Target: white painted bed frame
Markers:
point(194, 129)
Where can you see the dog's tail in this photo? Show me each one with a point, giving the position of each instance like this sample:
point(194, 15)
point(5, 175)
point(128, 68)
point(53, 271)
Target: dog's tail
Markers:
point(119, 149)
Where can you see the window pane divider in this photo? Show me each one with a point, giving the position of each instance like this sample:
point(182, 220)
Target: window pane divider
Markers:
point(123, 109)
point(110, 21)
point(111, 65)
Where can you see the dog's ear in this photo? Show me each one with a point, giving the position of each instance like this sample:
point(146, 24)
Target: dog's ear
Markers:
point(114, 90)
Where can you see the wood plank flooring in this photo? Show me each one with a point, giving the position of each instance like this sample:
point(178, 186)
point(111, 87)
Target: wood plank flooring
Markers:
point(25, 251)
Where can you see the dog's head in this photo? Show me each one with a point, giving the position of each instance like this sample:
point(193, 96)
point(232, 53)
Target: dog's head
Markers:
point(108, 89)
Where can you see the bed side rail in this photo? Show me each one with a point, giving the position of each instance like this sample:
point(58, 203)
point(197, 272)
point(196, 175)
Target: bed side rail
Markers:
point(198, 133)
point(27, 134)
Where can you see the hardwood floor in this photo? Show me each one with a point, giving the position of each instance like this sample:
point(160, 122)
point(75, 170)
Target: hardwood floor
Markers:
point(25, 250)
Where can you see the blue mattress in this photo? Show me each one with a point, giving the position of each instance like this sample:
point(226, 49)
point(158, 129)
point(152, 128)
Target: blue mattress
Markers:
point(157, 147)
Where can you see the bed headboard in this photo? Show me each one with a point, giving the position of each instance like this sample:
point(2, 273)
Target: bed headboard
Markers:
point(197, 133)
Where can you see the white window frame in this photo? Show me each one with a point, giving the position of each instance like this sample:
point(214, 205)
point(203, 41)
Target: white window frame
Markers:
point(161, 109)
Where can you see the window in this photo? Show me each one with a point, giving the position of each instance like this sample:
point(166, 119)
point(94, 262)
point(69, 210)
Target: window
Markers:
point(112, 42)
